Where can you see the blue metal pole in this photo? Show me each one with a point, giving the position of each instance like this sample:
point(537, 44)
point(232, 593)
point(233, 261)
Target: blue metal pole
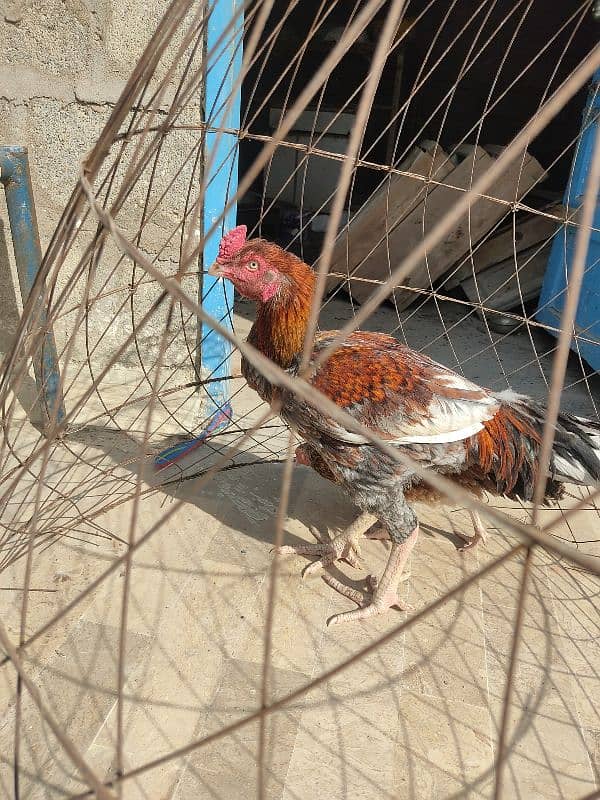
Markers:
point(14, 175)
point(221, 110)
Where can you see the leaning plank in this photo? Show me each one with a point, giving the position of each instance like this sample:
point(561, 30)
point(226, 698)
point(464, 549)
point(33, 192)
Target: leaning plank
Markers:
point(386, 208)
point(406, 236)
point(511, 282)
point(526, 233)
point(484, 214)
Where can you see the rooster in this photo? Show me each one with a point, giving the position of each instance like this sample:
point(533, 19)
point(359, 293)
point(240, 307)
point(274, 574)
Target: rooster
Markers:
point(483, 440)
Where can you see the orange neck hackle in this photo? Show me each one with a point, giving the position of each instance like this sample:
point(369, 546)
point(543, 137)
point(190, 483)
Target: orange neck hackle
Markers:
point(282, 322)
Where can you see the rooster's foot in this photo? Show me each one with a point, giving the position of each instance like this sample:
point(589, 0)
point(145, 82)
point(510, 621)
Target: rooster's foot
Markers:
point(344, 546)
point(381, 595)
point(370, 604)
point(327, 553)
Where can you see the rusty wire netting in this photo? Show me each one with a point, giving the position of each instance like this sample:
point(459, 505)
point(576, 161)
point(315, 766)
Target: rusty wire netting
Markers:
point(151, 646)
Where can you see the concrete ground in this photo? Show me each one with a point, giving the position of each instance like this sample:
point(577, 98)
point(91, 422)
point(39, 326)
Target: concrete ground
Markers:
point(415, 718)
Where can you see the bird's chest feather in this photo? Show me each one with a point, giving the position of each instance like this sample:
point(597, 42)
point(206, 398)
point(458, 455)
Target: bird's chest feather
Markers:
point(258, 382)
point(266, 390)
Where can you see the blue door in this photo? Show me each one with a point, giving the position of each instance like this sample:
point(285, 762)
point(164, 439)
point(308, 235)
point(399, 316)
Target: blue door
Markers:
point(553, 296)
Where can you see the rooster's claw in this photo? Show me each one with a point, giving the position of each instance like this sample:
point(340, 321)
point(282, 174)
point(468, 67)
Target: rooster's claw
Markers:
point(328, 552)
point(368, 603)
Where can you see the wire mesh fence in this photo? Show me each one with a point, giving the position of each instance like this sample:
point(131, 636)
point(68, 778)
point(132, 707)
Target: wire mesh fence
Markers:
point(416, 155)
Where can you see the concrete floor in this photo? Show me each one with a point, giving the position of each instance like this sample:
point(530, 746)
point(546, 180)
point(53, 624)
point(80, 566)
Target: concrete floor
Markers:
point(416, 718)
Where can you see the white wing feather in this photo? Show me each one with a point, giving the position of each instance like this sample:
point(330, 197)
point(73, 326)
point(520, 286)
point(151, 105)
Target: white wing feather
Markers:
point(447, 420)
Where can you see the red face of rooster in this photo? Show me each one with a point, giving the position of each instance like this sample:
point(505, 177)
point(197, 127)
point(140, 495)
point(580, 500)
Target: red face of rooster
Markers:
point(251, 267)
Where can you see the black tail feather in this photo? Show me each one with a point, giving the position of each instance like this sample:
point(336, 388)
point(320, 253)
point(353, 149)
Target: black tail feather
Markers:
point(577, 441)
point(576, 447)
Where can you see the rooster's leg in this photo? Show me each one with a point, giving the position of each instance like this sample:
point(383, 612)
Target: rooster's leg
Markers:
point(345, 546)
point(385, 594)
point(480, 532)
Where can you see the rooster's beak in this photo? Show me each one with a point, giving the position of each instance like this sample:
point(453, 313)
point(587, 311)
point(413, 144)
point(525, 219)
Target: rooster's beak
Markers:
point(215, 270)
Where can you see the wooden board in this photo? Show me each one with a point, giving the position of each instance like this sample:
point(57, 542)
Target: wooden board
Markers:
point(409, 233)
point(528, 232)
point(469, 230)
point(502, 288)
point(385, 209)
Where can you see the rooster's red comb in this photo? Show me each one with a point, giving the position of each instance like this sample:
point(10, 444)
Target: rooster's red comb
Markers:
point(231, 243)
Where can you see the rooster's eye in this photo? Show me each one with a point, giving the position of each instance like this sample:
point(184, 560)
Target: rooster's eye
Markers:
point(253, 265)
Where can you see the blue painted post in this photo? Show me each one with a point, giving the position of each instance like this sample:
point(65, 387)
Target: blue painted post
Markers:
point(222, 110)
point(14, 175)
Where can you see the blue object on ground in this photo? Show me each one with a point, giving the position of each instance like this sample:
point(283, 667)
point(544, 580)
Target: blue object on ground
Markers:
point(553, 295)
point(218, 422)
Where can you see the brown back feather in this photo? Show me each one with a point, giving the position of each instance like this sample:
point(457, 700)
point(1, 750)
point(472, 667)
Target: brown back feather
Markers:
point(504, 455)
